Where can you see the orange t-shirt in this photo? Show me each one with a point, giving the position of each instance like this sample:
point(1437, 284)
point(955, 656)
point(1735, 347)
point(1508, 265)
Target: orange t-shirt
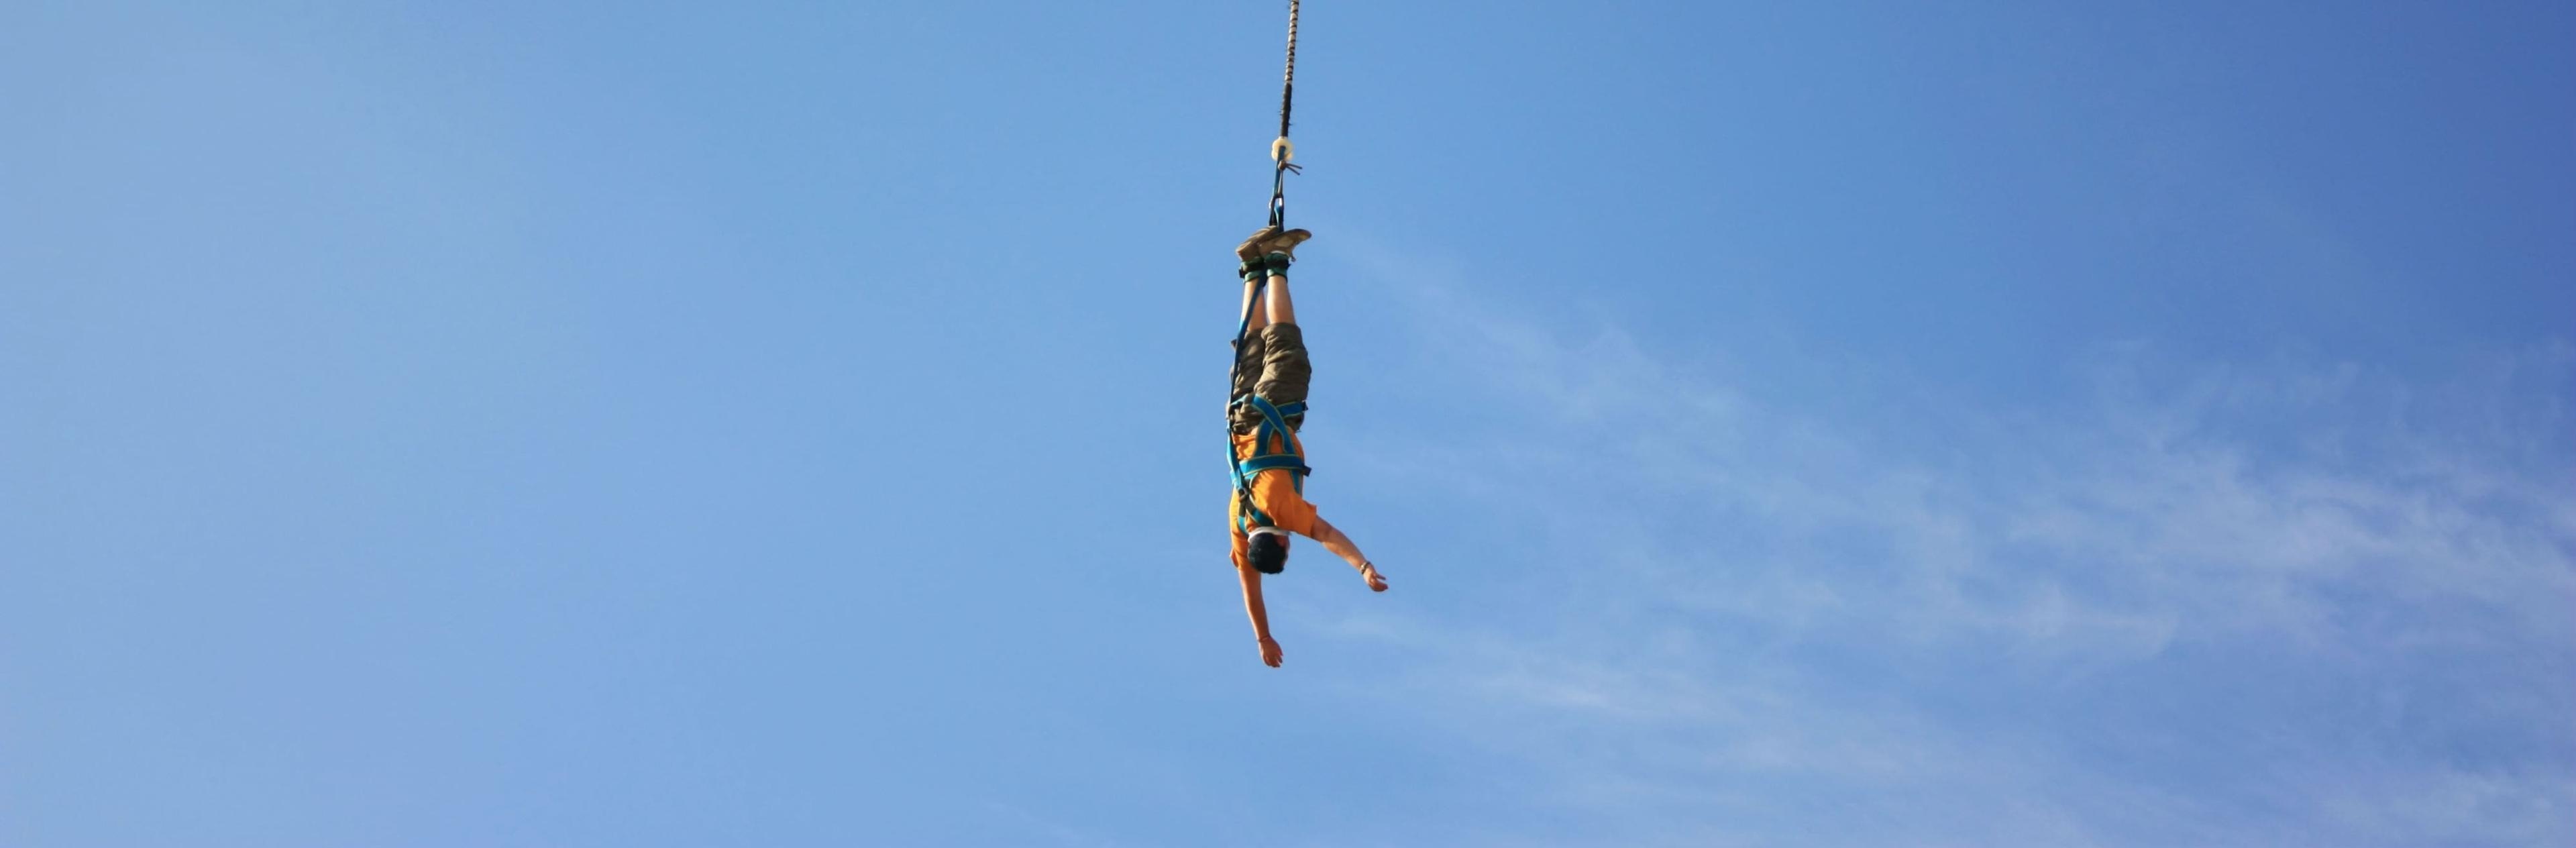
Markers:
point(1275, 492)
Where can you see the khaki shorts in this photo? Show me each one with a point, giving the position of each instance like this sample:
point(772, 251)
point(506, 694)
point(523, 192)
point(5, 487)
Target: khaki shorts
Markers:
point(1271, 365)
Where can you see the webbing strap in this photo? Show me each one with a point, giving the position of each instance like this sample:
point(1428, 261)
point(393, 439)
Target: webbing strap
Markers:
point(1273, 426)
point(1272, 412)
point(1266, 462)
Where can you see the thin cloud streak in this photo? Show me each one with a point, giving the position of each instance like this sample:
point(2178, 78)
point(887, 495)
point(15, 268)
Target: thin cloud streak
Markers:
point(2221, 604)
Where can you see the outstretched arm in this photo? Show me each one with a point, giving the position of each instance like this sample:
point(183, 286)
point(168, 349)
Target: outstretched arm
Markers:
point(1334, 540)
point(1270, 655)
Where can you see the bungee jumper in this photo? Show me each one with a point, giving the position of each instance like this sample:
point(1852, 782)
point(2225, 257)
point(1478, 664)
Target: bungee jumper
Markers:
point(1271, 374)
point(1267, 403)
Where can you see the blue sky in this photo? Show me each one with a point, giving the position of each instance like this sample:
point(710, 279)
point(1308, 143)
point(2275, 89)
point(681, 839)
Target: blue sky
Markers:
point(795, 424)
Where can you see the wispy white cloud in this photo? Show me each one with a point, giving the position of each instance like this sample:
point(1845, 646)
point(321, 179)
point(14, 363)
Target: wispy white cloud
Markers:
point(2213, 603)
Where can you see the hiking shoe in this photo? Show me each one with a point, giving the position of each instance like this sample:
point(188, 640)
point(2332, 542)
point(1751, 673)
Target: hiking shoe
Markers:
point(1270, 240)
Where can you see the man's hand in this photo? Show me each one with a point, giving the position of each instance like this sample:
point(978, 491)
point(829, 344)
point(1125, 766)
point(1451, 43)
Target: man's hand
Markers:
point(1376, 581)
point(1270, 655)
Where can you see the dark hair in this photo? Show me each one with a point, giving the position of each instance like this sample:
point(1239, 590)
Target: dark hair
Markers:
point(1269, 553)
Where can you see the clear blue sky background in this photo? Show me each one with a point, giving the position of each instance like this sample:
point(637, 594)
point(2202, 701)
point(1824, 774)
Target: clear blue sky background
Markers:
point(616, 424)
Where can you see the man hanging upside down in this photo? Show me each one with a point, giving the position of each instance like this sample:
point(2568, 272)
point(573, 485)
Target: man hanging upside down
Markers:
point(1270, 376)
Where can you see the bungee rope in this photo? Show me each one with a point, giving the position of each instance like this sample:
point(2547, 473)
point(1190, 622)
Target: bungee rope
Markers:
point(1280, 149)
point(1280, 153)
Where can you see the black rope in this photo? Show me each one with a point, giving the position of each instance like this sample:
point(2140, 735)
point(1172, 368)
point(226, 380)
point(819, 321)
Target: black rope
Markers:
point(1288, 79)
point(1278, 152)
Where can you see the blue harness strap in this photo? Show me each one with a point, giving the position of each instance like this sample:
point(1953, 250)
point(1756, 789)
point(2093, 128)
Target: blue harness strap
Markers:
point(1260, 464)
point(1274, 425)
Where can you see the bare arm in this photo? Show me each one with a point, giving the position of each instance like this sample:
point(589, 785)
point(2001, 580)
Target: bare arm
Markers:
point(1270, 655)
point(1333, 539)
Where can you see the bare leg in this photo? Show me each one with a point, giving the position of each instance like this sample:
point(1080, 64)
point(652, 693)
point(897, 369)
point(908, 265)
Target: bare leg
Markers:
point(1279, 307)
point(1257, 309)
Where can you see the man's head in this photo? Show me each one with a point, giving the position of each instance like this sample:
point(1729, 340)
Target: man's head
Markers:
point(1269, 552)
